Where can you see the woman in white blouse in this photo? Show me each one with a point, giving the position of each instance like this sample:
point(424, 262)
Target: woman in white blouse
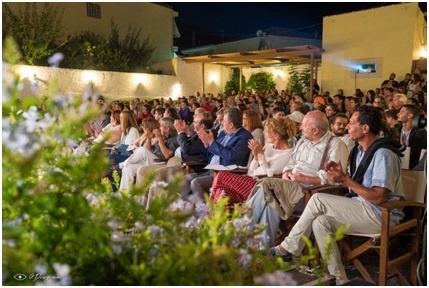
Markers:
point(268, 159)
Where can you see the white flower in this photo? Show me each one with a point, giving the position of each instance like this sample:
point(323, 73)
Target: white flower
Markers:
point(117, 249)
point(191, 223)
point(62, 270)
point(154, 231)
point(245, 258)
point(56, 59)
point(114, 224)
point(240, 223)
point(139, 226)
point(118, 236)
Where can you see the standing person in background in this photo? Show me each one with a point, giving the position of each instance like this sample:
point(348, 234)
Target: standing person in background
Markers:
point(390, 83)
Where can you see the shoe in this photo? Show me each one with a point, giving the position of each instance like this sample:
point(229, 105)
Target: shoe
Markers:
point(275, 251)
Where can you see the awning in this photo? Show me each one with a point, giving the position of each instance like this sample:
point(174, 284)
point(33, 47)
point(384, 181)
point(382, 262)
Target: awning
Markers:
point(271, 57)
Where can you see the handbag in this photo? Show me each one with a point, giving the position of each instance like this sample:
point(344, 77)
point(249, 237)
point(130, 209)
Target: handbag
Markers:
point(235, 186)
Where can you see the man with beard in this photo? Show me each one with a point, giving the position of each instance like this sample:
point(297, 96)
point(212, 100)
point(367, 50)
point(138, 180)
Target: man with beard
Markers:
point(338, 125)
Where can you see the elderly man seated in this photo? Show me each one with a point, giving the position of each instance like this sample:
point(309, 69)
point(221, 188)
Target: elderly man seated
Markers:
point(374, 171)
point(275, 199)
point(231, 147)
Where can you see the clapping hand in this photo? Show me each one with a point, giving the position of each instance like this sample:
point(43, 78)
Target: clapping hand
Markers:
point(180, 125)
point(334, 172)
point(157, 133)
point(205, 137)
point(256, 148)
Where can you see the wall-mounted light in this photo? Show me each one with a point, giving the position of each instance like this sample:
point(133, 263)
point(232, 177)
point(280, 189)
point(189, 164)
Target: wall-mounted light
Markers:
point(279, 73)
point(176, 91)
point(89, 76)
point(142, 79)
point(423, 53)
point(214, 77)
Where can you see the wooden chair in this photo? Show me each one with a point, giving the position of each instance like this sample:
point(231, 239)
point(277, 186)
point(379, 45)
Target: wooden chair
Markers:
point(414, 183)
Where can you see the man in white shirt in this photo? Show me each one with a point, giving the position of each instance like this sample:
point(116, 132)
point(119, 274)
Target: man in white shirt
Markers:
point(338, 124)
point(304, 169)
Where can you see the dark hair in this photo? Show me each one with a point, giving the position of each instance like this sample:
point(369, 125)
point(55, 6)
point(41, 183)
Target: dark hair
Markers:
point(173, 113)
point(160, 110)
point(392, 113)
point(415, 101)
point(372, 93)
point(356, 100)
point(417, 77)
point(371, 116)
point(339, 96)
point(338, 115)
point(235, 116)
point(121, 106)
point(334, 107)
point(413, 109)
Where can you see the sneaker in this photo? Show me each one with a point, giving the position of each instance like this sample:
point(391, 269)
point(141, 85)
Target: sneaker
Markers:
point(276, 252)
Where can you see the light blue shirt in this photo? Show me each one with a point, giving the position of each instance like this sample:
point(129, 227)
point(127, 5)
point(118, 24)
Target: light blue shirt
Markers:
point(383, 171)
point(216, 159)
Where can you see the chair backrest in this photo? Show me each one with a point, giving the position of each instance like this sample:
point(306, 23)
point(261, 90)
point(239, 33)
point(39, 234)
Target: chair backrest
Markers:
point(414, 185)
point(405, 160)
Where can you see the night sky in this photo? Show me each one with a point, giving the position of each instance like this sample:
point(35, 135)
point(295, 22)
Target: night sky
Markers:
point(212, 23)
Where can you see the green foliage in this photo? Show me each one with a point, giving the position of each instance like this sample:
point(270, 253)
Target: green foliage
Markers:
point(36, 32)
point(90, 50)
point(137, 55)
point(61, 222)
point(299, 81)
point(234, 82)
point(261, 81)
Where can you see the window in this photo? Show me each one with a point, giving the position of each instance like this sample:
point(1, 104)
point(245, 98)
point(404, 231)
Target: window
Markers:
point(366, 68)
point(93, 10)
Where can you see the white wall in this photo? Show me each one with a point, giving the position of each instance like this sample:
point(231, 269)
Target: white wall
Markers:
point(185, 80)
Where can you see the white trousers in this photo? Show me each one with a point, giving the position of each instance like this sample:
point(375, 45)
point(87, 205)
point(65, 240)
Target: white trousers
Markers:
point(323, 214)
point(141, 157)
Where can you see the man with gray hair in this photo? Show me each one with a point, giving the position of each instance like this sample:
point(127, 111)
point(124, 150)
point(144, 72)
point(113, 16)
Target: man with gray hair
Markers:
point(274, 199)
point(231, 147)
point(398, 101)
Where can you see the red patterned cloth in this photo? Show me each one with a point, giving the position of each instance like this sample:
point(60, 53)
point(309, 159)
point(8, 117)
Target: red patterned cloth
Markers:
point(236, 186)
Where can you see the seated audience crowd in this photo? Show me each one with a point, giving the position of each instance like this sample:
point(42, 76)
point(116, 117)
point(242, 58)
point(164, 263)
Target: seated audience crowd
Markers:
point(287, 142)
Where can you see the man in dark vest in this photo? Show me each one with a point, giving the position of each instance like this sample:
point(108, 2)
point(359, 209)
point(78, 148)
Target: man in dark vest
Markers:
point(375, 169)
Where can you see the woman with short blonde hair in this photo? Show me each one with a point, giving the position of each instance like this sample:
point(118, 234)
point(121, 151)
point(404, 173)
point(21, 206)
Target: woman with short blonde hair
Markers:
point(268, 159)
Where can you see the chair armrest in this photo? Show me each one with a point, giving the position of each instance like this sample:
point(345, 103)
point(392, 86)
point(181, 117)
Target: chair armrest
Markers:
point(190, 164)
point(266, 176)
point(331, 189)
point(388, 206)
point(195, 163)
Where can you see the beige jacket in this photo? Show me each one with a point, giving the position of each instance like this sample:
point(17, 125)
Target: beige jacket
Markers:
point(288, 193)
